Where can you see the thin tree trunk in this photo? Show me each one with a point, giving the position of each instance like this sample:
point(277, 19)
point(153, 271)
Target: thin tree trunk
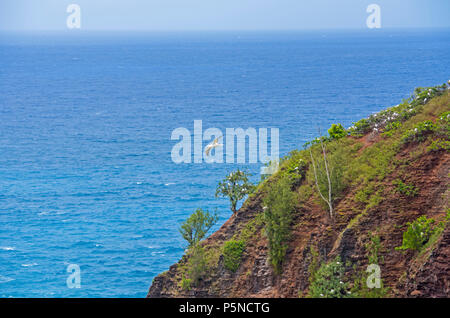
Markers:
point(328, 177)
point(329, 201)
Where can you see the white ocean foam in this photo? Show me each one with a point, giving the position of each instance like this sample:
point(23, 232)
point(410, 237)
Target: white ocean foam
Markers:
point(4, 279)
point(7, 248)
point(29, 265)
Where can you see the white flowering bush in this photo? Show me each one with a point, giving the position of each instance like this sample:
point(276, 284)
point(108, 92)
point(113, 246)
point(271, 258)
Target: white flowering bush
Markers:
point(391, 118)
point(295, 169)
point(443, 125)
point(419, 132)
point(328, 281)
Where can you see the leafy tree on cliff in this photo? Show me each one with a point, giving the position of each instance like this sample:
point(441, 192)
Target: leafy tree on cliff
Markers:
point(336, 131)
point(235, 186)
point(197, 225)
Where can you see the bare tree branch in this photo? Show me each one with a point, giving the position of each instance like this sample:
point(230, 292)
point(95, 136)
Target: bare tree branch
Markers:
point(328, 177)
point(329, 201)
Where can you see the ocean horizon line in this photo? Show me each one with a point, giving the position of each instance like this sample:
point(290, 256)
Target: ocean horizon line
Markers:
point(157, 31)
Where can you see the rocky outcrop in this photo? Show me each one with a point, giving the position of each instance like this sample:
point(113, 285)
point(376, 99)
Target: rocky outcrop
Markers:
point(432, 277)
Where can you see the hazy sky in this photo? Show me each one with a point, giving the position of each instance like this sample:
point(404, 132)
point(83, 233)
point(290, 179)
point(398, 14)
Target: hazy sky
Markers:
point(220, 14)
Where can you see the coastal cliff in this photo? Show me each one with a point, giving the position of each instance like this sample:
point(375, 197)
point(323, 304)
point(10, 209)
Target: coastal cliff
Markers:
point(391, 169)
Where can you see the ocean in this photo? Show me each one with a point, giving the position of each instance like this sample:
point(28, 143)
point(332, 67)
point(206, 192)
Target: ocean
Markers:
point(86, 174)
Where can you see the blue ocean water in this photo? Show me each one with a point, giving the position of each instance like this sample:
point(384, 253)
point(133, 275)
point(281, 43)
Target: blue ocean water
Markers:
point(86, 175)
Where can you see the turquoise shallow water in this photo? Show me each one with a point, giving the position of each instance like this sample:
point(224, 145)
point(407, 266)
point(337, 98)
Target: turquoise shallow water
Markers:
point(86, 175)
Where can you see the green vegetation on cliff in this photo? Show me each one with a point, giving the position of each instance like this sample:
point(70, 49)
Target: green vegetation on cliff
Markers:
point(329, 200)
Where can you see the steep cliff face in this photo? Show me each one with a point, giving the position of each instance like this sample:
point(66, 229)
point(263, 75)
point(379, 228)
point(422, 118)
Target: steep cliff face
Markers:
point(370, 205)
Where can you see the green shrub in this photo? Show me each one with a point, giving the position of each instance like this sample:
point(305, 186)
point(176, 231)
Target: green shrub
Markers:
point(295, 170)
point(408, 190)
point(232, 254)
point(278, 207)
point(443, 126)
point(197, 264)
point(337, 131)
point(251, 228)
point(373, 248)
point(423, 94)
point(417, 234)
point(316, 141)
point(360, 128)
point(445, 116)
point(197, 225)
point(186, 283)
point(420, 132)
point(391, 128)
point(328, 281)
point(314, 265)
point(437, 231)
point(439, 144)
point(361, 290)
